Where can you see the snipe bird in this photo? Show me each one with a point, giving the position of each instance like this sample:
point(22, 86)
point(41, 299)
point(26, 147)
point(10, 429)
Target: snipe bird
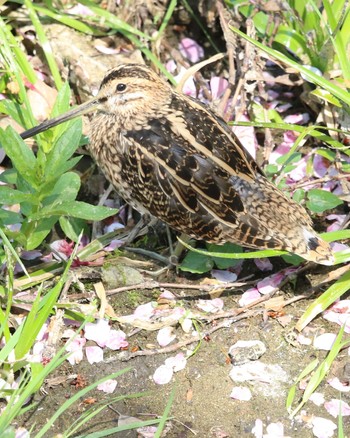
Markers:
point(169, 155)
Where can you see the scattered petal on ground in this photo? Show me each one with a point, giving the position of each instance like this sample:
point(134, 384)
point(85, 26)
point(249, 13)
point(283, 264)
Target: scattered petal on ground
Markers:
point(258, 429)
point(339, 313)
point(76, 348)
point(145, 311)
point(186, 324)
point(98, 331)
point(210, 306)
point(163, 374)
point(317, 398)
point(263, 264)
point(274, 430)
point(108, 386)
point(241, 393)
point(323, 428)
point(116, 340)
point(338, 221)
point(217, 86)
point(337, 407)
point(146, 432)
point(269, 284)
point(191, 50)
point(165, 336)
point(224, 276)
point(321, 165)
point(338, 385)
point(21, 432)
point(325, 341)
point(168, 295)
point(94, 354)
point(246, 135)
point(178, 362)
point(249, 296)
point(303, 340)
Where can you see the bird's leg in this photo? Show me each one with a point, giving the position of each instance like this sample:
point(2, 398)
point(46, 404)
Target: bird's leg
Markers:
point(140, 229)
point(176, 252)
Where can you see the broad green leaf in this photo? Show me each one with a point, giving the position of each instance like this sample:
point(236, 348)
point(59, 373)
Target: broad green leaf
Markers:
point(62, 101)
point(15, 111)
point(9, 217)
point(11, 196)
point(63, 149)
point(9, 176)
point(65, 189)
point(72, 227)
point(227, 248)
point(76, 209)
point(37, 231)
point(288, 38)
point(196, 263)
point(299, 195)
point(320, 200)
point(20, 154)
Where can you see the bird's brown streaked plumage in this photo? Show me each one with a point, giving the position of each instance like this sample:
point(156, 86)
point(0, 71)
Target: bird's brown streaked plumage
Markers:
point(169, 155)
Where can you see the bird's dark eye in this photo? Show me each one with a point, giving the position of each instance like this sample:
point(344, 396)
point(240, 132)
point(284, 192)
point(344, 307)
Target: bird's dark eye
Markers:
point(121, 87)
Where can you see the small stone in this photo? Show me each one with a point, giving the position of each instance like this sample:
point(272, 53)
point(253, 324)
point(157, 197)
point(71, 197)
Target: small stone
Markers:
point(245, 351)
point(114, 276)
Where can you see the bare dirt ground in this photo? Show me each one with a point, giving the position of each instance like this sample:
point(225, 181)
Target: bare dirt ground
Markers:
point(202, 405)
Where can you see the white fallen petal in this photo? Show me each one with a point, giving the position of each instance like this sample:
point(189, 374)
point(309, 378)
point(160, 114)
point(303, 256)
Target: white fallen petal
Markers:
point(163, 374)
point(97, 331)
point(317, 398)
point(338, 385)
point(337, 407)
point(323, 428)
point(165, 336)
point(108, 386)
point(94, 354)
point(241, 393)
point(325, 341)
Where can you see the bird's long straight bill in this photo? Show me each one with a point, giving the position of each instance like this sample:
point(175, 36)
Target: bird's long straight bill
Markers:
point(75, 112)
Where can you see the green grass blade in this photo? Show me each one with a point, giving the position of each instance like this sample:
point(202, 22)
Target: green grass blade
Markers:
point(339, 92)
point(322, 371)
point(45, 44)
point(69, 21)
point(334, 292)
point(165, 415)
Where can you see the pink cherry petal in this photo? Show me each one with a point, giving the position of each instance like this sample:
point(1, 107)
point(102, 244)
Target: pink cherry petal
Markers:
point(249, 296)
point(241, 393)
point(338, 385)
point(98, 332)
point(165, 336)
point(94, 354)
point(337, 407)
point(116, 340)
point(108, 386)
point(323, 428)
point(163, 374)
point(317, 398)
point(325, 341)
point(191, 50)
